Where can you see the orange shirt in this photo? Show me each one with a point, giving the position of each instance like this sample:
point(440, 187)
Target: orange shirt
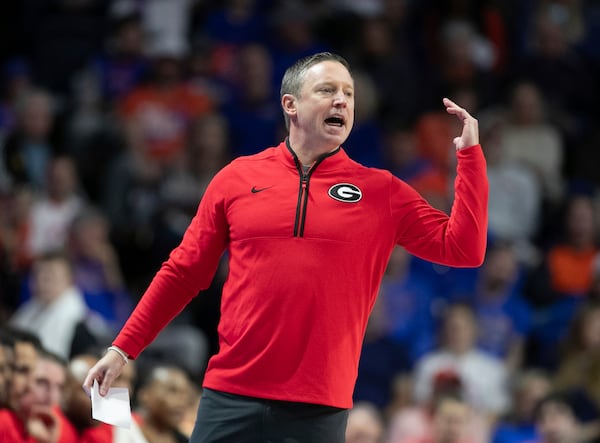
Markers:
point(571, 270)
point(162, 116)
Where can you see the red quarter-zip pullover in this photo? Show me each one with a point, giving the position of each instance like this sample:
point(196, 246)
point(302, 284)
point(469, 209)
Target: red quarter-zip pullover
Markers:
point(307, 252)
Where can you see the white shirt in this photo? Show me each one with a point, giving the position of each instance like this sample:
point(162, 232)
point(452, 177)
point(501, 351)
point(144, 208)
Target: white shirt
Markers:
point(484, 378)
point(54, 323)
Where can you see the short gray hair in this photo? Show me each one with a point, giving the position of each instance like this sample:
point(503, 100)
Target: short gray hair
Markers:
point(294, 76)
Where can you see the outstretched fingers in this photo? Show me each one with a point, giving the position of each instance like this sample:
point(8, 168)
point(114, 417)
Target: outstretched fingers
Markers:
point(470, 131)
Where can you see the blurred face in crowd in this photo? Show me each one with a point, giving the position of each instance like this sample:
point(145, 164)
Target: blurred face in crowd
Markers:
point(450, 420)
point(363, 426)
point(323, 112)
point(36, 116)
point(557, 424)
point(50, 279)
point(460, 331)
point(500, 267)
point(166, 397)
point(62, 178)
point(580, 222)
point(49, 378)
point(532, 389)
point(24, 364)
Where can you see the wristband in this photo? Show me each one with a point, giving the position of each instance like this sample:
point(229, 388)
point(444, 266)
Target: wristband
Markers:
point(120, 352)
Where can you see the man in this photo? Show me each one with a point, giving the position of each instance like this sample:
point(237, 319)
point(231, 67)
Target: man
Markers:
point(163, 398)
point(56, 307)
point(309, 233)
point(37, 413)
point(25, 354)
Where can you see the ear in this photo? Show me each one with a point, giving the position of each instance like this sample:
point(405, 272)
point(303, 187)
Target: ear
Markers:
point(288, 103)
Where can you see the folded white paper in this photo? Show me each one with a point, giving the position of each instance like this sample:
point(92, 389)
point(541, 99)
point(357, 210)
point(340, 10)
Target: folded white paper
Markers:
point(114, 408)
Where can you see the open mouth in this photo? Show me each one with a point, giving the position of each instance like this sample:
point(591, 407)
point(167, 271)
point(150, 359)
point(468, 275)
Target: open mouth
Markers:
point(335, 121)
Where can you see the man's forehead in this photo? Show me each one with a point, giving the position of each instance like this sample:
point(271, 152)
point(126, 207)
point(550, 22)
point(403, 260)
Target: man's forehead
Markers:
point(328, 70)
point(25, 351)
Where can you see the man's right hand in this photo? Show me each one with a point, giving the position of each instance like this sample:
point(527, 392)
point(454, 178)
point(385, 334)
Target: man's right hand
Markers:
point(105, 372)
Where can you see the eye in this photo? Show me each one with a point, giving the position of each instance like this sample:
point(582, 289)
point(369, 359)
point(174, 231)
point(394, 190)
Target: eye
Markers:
point(326, 89)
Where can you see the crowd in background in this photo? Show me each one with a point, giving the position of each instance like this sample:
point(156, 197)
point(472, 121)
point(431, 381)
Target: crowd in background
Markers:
point(114, 116)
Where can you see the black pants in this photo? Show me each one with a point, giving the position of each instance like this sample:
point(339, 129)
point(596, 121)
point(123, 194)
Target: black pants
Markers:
point(229, 418)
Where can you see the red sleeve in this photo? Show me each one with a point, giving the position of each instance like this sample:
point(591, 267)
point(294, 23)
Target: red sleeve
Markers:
point(458, 240)
point(190, 268)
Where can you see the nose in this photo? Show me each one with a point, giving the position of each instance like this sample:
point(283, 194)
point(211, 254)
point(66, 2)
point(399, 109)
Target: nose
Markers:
point(340, 99)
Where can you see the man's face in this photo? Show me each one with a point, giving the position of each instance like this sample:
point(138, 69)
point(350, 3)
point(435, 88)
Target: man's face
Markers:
point(325, 106)
point(450, 421)
point(48, 380)
point(24, 365)
point(167, 397)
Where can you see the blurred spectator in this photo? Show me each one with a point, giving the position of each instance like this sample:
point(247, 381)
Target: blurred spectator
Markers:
point(417, 423)
point(529, 139)
point(254, 113)
point(562, 281)
point(407, 306)
point(29, 147)
point(233, 24)
point(291, 35)
point(564, 78)
point(555, 420)
point(40, 409)
point(53, 212)
point(365, 143)
point(388, 62)
point(25, 348)
point(56, 307)
point(459, 58)
point(503, 315)
point(15, 257)
point(166, 24)
point(515, 194)
point(208, 150)
point(450, 418)
point(458, 354)
point(96, 268)
point(157, 115)
point(567, 269)
point(122, 65)
point(486, 22)
point(402, 396)
point(518, 426)
point(16, 81)
point(404, 161)
point(163, 399)
point(365, 424)
point(579, 367)
point(434, 131)
point(382, 358)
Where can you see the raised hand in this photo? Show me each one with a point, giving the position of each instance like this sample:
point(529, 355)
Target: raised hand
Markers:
point(470, 132)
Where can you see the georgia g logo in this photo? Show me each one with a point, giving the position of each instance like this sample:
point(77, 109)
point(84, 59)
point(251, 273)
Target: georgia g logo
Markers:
point(345, 192)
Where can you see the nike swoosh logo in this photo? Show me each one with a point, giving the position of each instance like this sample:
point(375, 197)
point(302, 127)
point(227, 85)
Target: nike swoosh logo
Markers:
point(255, 189)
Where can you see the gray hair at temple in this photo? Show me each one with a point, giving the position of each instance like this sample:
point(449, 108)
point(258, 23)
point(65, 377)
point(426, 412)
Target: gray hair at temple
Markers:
point(294, 76)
